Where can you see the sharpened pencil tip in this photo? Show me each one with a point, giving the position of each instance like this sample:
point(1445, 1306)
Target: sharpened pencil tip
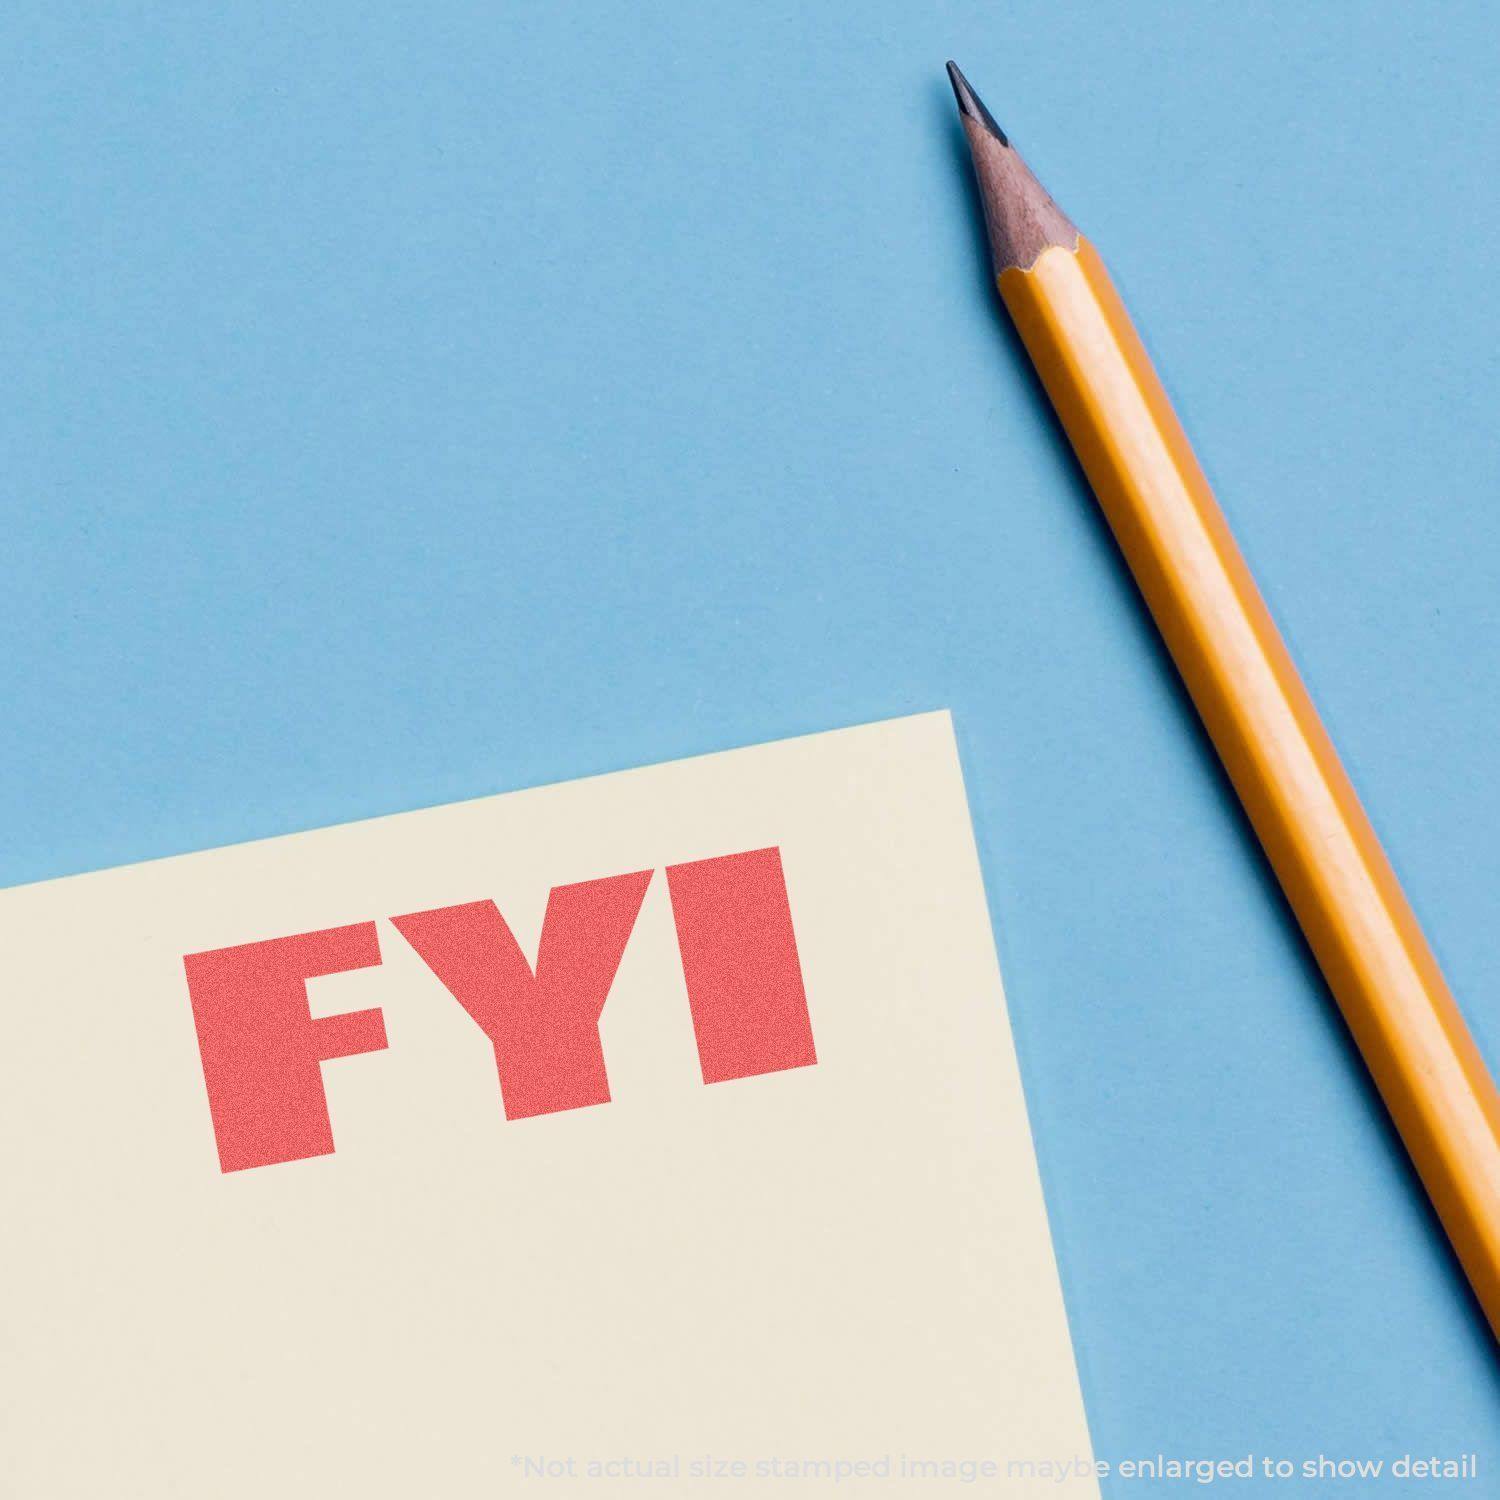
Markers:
point(970, 104)
point(1019, 216)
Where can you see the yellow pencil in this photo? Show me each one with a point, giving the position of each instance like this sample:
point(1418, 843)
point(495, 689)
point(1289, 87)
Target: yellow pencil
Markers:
point(1258, 713)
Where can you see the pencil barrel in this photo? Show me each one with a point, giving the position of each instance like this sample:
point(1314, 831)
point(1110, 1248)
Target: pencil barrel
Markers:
point(1284, 768)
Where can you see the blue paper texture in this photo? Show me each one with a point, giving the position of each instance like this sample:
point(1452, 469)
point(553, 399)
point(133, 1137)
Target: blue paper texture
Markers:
point(413, 401)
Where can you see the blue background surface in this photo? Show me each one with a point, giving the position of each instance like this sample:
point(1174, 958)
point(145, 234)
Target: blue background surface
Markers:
point(416, 401)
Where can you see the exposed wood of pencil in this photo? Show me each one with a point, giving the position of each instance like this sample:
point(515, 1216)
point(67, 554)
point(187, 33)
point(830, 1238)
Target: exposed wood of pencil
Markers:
point(1278, 755)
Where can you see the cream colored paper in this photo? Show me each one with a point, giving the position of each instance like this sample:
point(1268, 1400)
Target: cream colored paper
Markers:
point(839, 1264)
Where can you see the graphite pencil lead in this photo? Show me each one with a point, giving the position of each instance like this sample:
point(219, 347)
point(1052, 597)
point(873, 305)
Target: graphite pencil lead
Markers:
point(970, 104)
